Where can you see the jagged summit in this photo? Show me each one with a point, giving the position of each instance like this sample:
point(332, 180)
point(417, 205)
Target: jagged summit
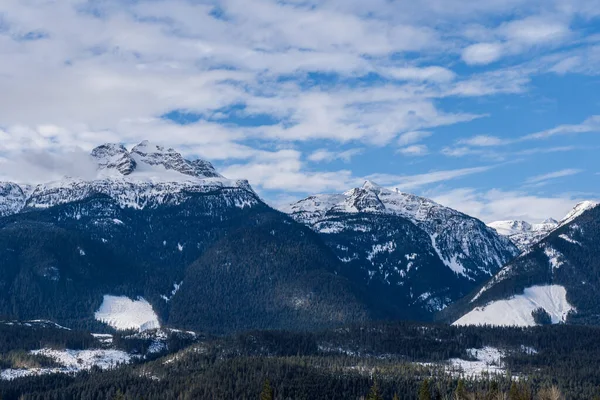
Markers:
point(12, 198)
point(147, 176)
point(398, 238)
point(370, 197)
point(370, 185)
point(524, 235)
point(113, 156)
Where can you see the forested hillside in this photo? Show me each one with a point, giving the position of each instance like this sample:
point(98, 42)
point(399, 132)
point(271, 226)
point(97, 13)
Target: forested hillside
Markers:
point(346, 364)
point(561, 274)
point(58, 264)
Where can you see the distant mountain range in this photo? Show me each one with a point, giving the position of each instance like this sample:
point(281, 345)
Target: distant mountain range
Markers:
point(524, 235)
point(154, 239)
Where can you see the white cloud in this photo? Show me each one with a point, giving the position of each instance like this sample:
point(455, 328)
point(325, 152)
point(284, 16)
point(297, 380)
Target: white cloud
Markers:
point(459, 151)
point(542, 150)
point(534, 30)
point(474, 145)
point(592, 124)
point(502, 81)
point(412, 137)
point(483, 141)
point(324, 155)
point(495, 204)
point(434, 74)
point(568, 64)
point(142, 59)
point(284, 171)
point(108, 76)
point(414, 150)
point(33, 167)
point(514, 37)
point(482, 53)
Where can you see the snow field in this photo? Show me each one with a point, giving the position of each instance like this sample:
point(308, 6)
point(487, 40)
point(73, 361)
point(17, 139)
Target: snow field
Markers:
point(516, 311)
point(122, 313)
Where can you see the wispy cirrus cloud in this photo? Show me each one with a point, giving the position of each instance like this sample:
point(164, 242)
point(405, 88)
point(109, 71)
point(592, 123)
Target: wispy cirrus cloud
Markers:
point(591, 124)
point(540, 179)
point(324, 155)
point(412, 137)
point(411, 182)
point(488, 146)
point(484, 141)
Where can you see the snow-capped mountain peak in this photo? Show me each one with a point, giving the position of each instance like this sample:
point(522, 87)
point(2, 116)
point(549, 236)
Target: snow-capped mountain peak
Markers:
point(156, 155)
point(147, 176)
point(511, 227)
point(12, 198)
point(579, 209)
point(114, 156)
point(370, 197)
point(524, 235)
point(420, 234)
point(370, 185)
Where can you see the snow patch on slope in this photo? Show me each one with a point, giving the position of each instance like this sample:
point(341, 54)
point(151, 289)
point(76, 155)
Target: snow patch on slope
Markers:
point(388, 247)
point(487, 360)
point(516, 311)
point(453, 263)
point(86, 359)
point(71, 361)
point(554, 257)
point(176, 287)
point(569, 239)
point(122, 313)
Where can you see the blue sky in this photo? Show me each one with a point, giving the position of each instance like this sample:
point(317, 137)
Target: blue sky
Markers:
point(490, 107)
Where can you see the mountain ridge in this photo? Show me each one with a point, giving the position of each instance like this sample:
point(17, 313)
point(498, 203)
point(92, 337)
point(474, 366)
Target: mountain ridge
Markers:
point(397, 239)
point(524, 234)
point(558, 274)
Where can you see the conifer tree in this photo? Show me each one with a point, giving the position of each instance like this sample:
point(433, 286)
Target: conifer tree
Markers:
point(460, 393)
point(519, 392)
point(424, 392)
point(493, 391)
point(119, 395)
point(513, 393)
point(374, 392)
point(552, 393)
point(267, 392)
